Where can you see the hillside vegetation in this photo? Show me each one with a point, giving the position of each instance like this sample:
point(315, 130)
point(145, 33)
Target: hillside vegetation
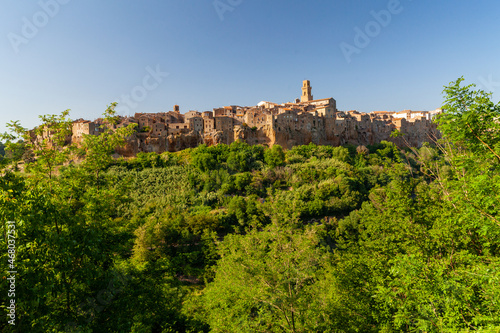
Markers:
point(244, 238)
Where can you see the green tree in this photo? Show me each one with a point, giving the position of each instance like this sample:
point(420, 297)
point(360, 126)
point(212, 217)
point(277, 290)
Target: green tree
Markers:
point(15, 142)
point(265, 282)
point(427, 253)
point(275, 156)
point(204, 161)
point(66, 230)
point(471, 146)
point(97, 150)
point(2, 149)
point(239, 161)
point(149, 160)
point(243, 157)
point(204, 158)
point(470, 119)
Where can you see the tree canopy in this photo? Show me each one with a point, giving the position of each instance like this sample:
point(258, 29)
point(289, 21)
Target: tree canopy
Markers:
point(242, 238)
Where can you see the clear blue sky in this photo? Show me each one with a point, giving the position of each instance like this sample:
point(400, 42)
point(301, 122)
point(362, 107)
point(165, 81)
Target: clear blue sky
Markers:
point(87, 54)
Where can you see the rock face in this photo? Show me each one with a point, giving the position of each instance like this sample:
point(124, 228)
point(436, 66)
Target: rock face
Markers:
point(334, 131)
point(143, 142)
point(183, 141)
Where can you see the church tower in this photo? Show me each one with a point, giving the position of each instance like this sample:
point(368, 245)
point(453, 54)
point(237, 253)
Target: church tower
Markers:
point(306, 91)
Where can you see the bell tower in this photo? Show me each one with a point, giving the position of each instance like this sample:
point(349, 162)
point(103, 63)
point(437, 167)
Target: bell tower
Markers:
point(306, 91)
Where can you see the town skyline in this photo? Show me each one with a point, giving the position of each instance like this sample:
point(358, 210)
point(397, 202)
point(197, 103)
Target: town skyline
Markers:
point(382, 55)
point(304, 121)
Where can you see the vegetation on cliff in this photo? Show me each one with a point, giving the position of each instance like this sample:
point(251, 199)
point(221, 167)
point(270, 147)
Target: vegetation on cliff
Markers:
point(244, 238)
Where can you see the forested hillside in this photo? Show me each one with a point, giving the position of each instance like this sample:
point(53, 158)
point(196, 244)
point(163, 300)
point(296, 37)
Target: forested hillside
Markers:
point(244, 238)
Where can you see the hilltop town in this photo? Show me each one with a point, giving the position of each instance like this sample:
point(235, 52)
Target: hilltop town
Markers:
point(288, 124)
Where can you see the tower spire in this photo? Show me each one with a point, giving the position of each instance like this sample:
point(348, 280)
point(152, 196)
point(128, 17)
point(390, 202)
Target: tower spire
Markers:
point(306, 91)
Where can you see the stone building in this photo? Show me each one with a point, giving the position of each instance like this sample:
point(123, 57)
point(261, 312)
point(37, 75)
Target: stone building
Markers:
point(196, 124)
point(191, 114)
point(306, 91)
point(177, 128)
point(81, 127)
point(288, 124)
point(208, 122)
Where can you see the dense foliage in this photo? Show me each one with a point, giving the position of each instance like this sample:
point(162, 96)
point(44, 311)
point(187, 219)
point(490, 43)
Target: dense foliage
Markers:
point(241, 238)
